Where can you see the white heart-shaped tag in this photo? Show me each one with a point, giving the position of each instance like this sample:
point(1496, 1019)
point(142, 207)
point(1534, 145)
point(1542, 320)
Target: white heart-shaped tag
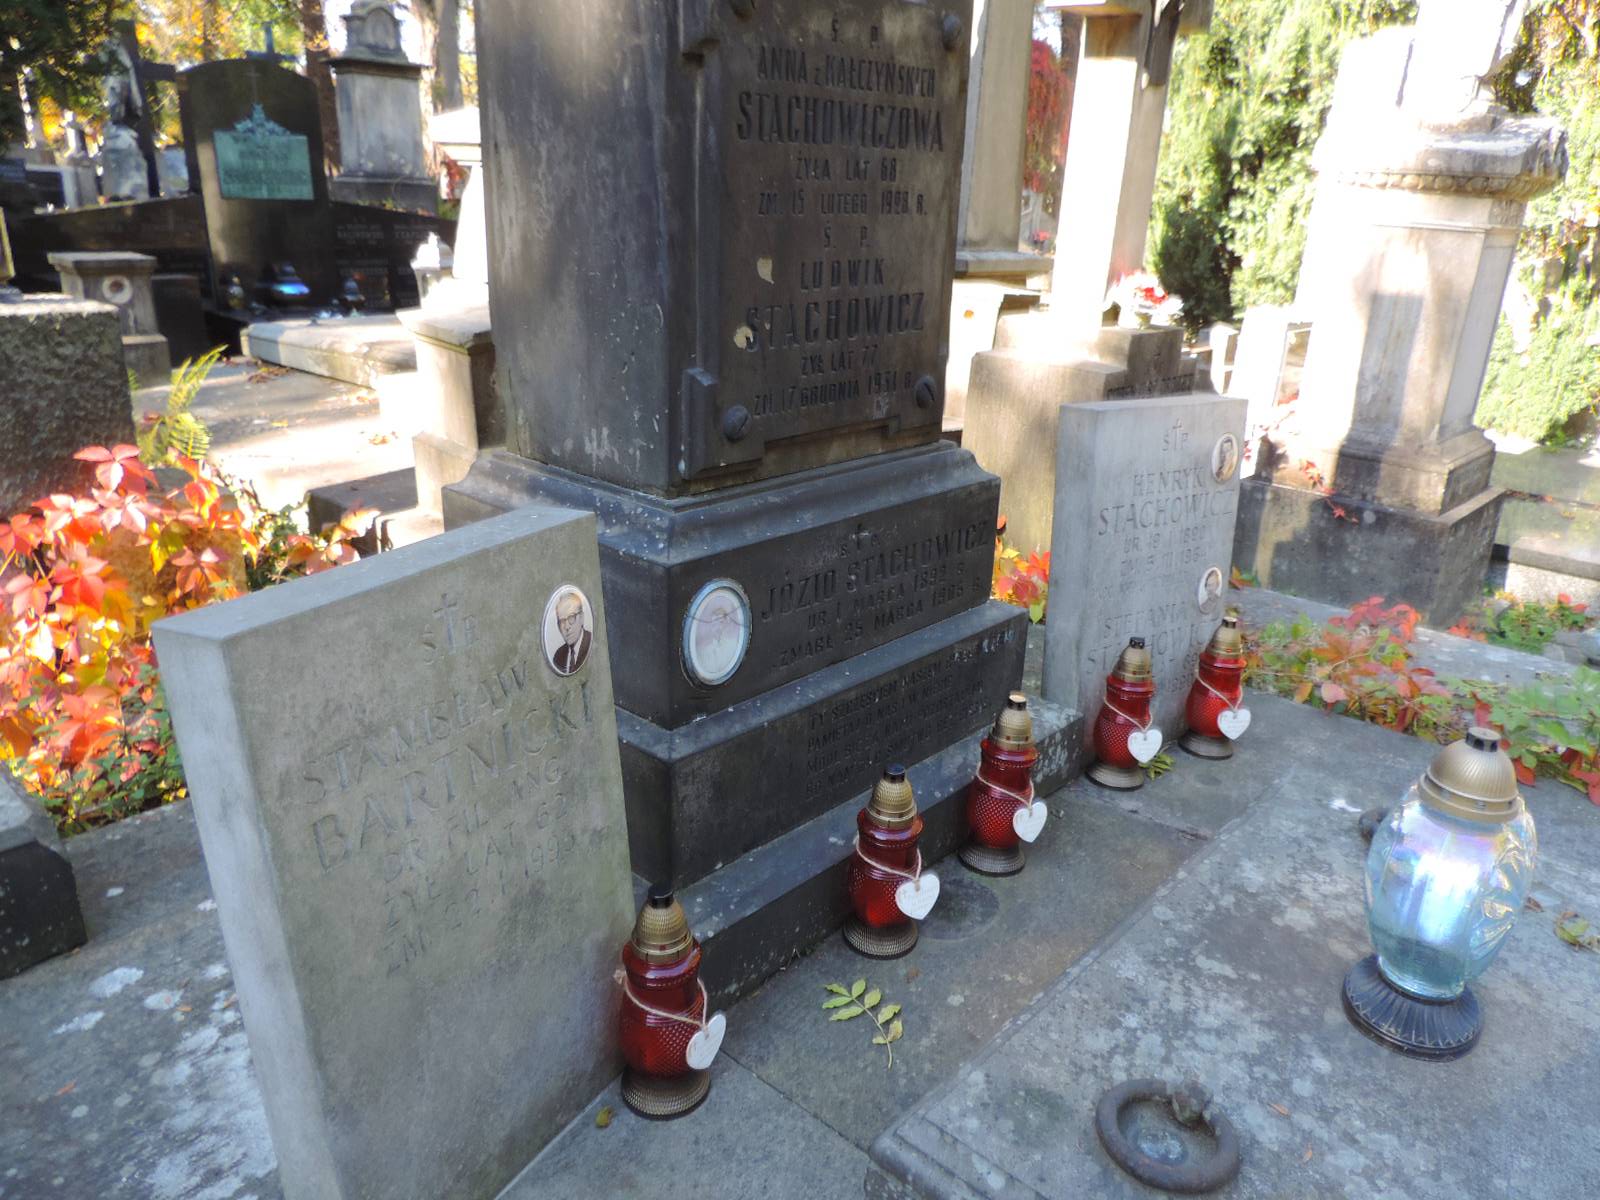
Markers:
point(1144, 744)
point(703, 1046)
point(915, 897)
point(1233, 722)
point(1028, 820)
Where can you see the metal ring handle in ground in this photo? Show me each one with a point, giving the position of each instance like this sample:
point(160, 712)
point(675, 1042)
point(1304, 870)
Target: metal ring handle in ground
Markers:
point(1191, 1178)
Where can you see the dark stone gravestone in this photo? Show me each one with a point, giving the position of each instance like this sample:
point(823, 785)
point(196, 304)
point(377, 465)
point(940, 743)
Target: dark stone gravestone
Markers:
point(740, 267)
point(255, 153)
point(39, 912)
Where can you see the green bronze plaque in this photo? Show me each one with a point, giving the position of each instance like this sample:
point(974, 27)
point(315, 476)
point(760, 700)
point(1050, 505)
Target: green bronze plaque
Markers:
point(258, 159)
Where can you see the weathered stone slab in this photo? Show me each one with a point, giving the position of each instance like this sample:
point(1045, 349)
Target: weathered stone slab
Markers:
point(1232, 973)
point(408, 790)
point(756, 236)
point(705, 794)
point(39, 913)
point(65, 388)
point(1147, 493)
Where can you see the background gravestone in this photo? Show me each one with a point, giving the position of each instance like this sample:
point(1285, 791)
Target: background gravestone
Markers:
point(381, 151)
point(254, 140)
point(1147, 493)
point(125, 281)
point(65, 386)
point(413, 826)
point(39, 912)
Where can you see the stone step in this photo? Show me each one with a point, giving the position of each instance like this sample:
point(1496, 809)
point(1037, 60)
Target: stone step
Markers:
point(756, 914)
point(1548, 548)
point(1563, 474)
point(354, 349)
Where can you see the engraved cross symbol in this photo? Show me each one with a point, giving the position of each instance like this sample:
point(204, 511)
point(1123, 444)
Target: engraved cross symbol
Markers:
point(446, 612)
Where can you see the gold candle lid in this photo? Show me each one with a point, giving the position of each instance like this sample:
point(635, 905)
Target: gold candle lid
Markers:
point(1228, 639)
point(892, 804)
point(1013, 728)
point(1472, 778)
point(1134, 662)
point(661, 934)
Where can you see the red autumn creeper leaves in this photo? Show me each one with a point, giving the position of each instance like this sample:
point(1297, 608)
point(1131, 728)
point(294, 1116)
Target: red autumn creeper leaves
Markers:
point(82, 577)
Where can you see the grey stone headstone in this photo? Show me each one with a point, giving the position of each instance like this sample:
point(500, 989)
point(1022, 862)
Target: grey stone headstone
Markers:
point(414, 829)
point(65, 386)
point(1141, 519)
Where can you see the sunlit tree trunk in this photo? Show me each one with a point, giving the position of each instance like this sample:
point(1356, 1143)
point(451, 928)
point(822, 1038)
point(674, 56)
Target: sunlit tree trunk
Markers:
point(315, 30)
point(447, 56)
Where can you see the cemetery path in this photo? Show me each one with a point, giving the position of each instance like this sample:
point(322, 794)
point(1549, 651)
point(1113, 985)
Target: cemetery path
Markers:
point(287, 431)
point(126, 1073)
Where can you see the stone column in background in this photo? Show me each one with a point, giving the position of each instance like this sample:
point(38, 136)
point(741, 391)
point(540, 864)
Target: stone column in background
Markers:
point(1064, 354)
point(990, 268)
point(1378, 483)
point(121, 279)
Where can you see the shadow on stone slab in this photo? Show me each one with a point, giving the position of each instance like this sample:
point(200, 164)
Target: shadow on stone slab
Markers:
point(987, 950)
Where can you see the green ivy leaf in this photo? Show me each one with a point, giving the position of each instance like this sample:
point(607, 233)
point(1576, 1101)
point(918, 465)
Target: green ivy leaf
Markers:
point(844, 1014)
point(870, 1000)
point(838, 989)
point(888, 1012)
point(836, 1002)
point(858, 987)
point(896, 1031)
point(1572, 931)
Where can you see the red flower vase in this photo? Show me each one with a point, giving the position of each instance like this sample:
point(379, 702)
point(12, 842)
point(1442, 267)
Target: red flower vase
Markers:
point(1213, 712)
point(1123, 733)
point(663, 1008)
point(1001, 809)
point(885, 881)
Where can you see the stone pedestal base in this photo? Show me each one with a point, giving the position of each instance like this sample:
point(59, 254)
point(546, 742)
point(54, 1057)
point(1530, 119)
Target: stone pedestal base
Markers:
point(147, 356)
point(455, 408)
point(871, 636)
point(412, 195)
point(1296, 541)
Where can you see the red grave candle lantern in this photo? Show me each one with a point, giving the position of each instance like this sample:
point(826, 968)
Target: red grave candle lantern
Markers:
point(667, 1039)
point(1124, 738)
point(1001, 808)
point(1213, 711)
point(889, 891)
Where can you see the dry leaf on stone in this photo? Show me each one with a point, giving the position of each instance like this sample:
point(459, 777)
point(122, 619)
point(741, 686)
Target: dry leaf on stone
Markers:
point(603, 1117)
point(1306, 1157)
point(1279, 1109)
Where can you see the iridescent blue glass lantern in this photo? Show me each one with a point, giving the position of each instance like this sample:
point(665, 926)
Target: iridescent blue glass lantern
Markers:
point(1447, 874)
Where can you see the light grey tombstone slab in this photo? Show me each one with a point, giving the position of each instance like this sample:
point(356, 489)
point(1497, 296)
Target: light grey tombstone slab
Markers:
point(414, 829)
point(1147, 493)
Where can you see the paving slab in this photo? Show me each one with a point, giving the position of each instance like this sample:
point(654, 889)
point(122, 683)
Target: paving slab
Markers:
point(1568, 473)
point(1231, 973)
point(967, 976)
point(746, 1141)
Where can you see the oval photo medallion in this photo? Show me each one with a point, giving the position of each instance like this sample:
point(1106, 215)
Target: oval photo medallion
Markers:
point(1225, 457)
point(567, 629)
point(716, 632)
